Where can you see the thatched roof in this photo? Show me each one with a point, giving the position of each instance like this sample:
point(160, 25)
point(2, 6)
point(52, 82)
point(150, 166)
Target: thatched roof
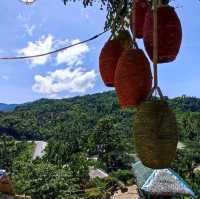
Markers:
point(94, 173)
point(5, 183)
point(163, 182)
point(197, 169)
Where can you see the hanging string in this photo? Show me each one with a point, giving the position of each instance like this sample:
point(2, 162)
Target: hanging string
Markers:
point(155, 48)
point(155, 42)
point(155, 88)
point(54, 51)
point(133, 33)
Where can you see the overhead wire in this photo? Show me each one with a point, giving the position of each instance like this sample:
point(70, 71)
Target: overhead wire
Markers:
point(54, 51)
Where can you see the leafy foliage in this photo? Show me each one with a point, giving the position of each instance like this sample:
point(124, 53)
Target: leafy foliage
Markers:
point(118, 12)
point(9, 149)
point(124, 175)
point(111, 143)
point(46, 118)
point(41, 179)
point(51, 182)
point(100, 188)
point(74, 119)
point(186, 162)
point(79, 128)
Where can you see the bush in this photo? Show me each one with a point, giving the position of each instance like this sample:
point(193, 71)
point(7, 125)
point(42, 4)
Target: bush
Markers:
point(123, 175)
point(94, 193)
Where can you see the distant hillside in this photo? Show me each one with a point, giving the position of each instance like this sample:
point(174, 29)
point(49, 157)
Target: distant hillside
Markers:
point(185, 104)
point(42, 118)
point(7, 107)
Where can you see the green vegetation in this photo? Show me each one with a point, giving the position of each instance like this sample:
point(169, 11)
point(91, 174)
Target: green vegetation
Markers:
point(185, 165)
point(45, 118)
point(82, 127)
point(125, 176)
point(9, 150)
point(117, 11)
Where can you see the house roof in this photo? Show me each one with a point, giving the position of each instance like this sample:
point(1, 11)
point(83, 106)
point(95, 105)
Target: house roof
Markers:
point(5, 183)
point(94, 173)
point(197, 169)
point(2, 173)
point(160, 181)
point(141, 173)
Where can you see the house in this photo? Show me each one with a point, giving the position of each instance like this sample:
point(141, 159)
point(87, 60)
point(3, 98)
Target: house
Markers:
point(6, 188)
point(197, 169)
point(5, 184)
point(159, 183)
point(94, 173)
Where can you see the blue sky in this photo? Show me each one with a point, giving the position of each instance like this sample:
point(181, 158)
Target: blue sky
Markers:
point(48, 24)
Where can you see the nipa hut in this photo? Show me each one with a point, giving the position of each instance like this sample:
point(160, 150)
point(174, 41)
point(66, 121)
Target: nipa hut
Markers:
point(6, 188)
point(94, 173)
point(5, 183)
point(160, 183)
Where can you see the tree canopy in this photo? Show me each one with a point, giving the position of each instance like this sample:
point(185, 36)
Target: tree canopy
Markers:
point(118, 11)
point(80, 128)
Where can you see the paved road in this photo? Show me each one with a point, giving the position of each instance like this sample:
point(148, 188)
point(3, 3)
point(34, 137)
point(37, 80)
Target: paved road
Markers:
point(39, 149)
point(41, 145)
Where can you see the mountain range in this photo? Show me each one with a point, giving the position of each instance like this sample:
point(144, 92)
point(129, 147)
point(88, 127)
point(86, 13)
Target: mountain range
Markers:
point(7, 107)
point(41, 119)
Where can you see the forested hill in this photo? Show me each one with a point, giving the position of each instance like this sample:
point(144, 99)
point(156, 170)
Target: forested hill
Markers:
point(185, 104)
point(46, 117)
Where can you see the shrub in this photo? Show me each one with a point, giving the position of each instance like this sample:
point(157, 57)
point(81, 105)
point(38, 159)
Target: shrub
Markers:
point(123, 175)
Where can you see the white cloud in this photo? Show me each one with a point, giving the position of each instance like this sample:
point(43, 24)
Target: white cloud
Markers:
point(73, 56)
point(64, 80)
point(29, 29)
point(43, 45)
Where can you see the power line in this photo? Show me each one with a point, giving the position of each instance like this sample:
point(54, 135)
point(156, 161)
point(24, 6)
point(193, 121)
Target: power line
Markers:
point(54, 51)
